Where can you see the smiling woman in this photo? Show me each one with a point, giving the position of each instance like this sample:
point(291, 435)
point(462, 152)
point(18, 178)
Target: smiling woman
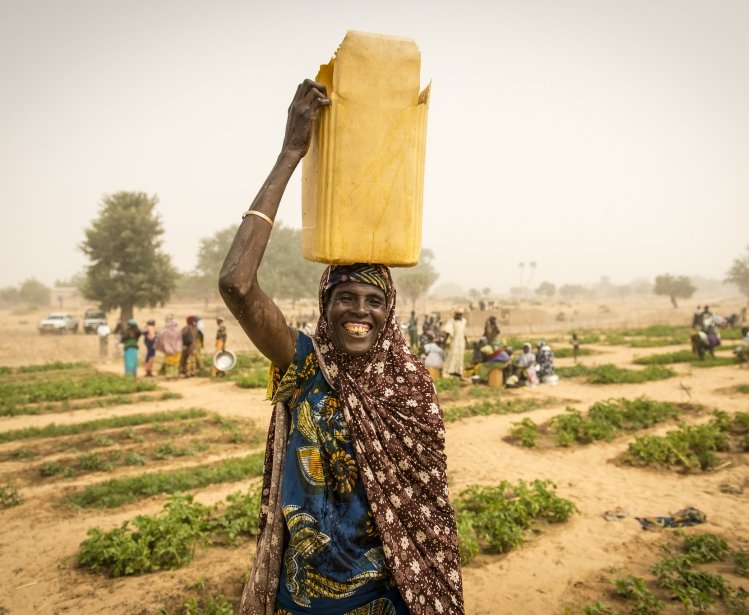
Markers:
point(355, 515)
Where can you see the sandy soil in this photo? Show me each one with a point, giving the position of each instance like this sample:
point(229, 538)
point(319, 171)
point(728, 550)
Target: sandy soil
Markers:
point(555, 572)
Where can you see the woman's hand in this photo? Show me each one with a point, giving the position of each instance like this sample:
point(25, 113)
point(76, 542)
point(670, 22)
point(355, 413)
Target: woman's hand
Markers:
point(309, 97)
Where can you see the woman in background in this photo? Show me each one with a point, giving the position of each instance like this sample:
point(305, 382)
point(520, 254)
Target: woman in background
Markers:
point(130, 335)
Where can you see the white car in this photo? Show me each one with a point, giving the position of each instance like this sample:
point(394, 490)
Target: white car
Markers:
point(58, 322)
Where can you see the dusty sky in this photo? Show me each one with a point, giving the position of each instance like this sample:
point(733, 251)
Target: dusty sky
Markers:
point(591, 136)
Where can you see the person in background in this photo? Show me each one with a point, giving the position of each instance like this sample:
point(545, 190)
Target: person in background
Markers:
point(544, 360)
point(697, 318)
point(149, 340)
point(220, 343)
point(526, 366)
point(413, 332)
point(433, 356)
point(355, 515)
point(455, 336)
point(103, 331)
point(575, 347)
point(742, 350)
point(200, 342)
point(169, 341)
point(187, 361)
point(130, 335)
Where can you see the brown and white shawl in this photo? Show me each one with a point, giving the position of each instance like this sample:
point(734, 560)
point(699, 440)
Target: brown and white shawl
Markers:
point(397, 428)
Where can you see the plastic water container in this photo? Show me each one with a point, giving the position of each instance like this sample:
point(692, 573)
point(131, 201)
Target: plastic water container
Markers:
point(363, 177)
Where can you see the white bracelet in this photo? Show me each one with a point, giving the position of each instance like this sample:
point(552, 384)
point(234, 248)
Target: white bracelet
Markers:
point(259, 214)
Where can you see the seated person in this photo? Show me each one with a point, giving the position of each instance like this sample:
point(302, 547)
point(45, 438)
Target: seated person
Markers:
point(545, 360)
point(524, 368)
point(742, 350)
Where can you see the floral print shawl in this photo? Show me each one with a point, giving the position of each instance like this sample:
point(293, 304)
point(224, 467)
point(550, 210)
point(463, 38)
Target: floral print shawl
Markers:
point(397, 427)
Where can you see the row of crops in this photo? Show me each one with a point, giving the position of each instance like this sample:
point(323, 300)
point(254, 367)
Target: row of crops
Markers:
point(491, 519)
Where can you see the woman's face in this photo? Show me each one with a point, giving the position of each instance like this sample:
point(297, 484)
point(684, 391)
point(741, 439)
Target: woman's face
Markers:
point(355, 314)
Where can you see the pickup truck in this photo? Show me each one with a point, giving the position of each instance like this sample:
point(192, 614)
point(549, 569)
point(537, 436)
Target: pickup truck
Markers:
point(58, 322)
point(92, 319)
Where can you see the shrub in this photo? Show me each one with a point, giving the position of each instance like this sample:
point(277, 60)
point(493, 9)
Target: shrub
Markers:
point(495, 519)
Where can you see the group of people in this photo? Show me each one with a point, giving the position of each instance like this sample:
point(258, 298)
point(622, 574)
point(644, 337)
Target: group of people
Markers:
point(181, 347)
point(443, 352)
point(706, 336)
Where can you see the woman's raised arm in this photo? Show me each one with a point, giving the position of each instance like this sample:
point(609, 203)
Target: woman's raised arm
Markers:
point(256, 312)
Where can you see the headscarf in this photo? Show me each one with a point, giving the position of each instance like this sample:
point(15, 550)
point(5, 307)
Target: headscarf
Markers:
point(169, 341)
point(397, 427)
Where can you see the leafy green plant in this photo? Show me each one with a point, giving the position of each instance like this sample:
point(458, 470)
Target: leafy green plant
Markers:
point(525, 431)
point(741, 563)
point(512, 405)
point(55, 431)
point(691, 446)
point(117, 492)
point(168, 540)
point(635, 588)
point(598, 608)
point(209, 605)
point(684, 356)
point(495, 519)
point(16, 395)
point(163, 542)
point(703, 548)
point(612, 374)
point(9, 496)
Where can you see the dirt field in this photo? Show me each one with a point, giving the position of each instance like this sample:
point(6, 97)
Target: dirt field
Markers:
point(558, 570)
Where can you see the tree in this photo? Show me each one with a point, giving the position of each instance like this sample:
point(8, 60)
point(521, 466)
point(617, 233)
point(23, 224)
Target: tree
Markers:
point(416, 281)
point(33, 292)
point(568, 291)
point(128, 268)
point(739, 274)
point(202, 282)
point(546, 289)
point(674, 287)
point(284, 272)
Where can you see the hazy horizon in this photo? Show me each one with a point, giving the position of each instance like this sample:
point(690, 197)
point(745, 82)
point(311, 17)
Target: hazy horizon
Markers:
point(594, 138)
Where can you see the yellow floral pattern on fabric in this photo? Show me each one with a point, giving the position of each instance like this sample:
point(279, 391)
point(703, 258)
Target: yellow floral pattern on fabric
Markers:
point(333, 551)
point(381, 606)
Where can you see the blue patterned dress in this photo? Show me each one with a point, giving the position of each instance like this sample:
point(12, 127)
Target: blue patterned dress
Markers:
point(333, 560)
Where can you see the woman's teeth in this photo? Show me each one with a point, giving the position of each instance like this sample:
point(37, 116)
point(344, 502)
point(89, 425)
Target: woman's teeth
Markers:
point(356, 328)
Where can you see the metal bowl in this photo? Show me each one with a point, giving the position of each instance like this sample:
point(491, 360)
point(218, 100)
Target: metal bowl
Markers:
point(224, 360)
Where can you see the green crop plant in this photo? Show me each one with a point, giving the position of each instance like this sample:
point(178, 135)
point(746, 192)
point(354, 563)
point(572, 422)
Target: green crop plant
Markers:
point(92, 462)
point(168, 540)
point(495, 519)
point(9, 496)
point(16, 395)
point(635, 588)
point(565, 353)
point(691, 446)
point(572, 427)
point(134, 459)
point(500, 406)
point(702, 548)
point(52, 366)
point(526, 432)
point(120, 491)
point(210, 605)
point(167, 451)
point(684, 356)
point(612, 374)
point(597, 608)
point(163, 542)
point(741, 563)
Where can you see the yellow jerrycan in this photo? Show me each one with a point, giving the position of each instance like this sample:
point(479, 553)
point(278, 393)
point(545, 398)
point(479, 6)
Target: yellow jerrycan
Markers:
point(363, 177)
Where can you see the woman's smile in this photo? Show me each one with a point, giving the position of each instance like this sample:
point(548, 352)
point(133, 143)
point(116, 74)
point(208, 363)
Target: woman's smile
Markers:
point(355, 313)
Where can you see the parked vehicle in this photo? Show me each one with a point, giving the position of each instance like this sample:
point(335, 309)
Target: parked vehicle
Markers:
point(92, 319)
point(58, 322)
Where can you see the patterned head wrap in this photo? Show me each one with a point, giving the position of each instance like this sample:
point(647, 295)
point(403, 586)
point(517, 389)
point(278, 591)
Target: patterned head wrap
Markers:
point(363, 273)
point(397, 428)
